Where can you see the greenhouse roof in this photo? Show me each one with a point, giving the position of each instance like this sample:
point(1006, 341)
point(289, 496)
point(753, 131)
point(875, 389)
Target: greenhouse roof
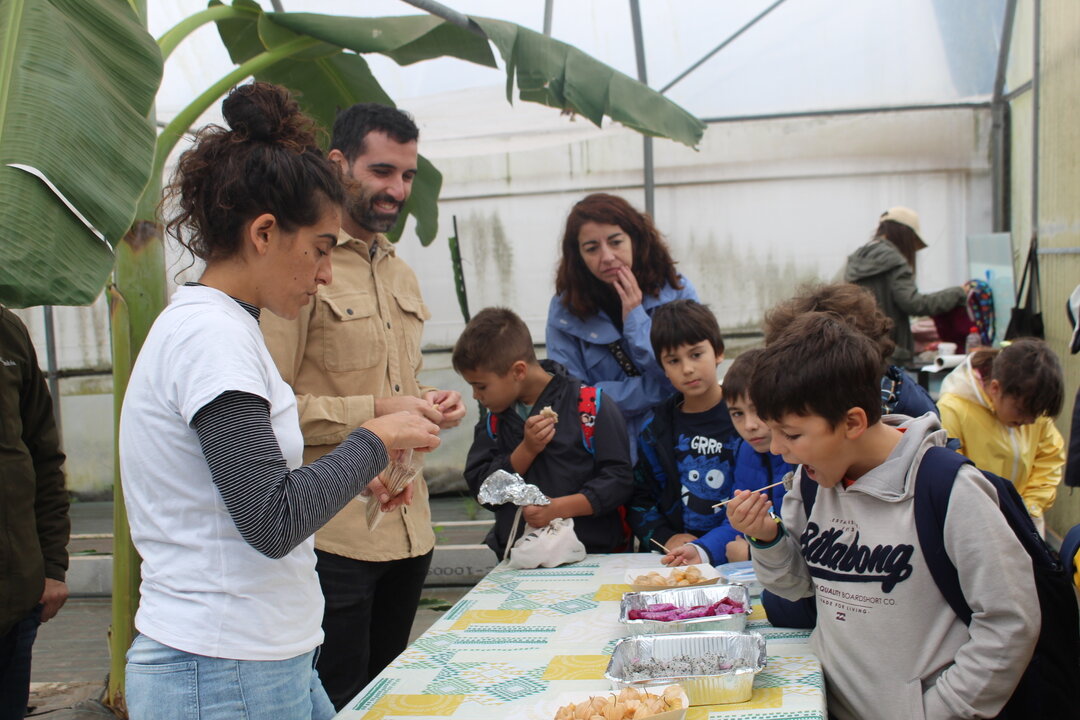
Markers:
point(777, 57)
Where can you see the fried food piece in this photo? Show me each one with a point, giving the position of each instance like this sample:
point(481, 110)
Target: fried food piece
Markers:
point(629, 704)
point(549, 413)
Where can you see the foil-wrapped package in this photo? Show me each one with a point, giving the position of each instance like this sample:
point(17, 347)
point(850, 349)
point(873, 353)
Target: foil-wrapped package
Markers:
point(504, 487)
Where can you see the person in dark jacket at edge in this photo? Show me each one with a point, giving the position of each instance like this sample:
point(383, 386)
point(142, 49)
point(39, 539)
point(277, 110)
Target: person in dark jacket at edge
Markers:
point(534, 425)
point(886, 267)
point(34, 525)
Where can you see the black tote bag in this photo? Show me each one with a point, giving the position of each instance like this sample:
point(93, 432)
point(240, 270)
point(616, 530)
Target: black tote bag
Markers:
point(1026, 319)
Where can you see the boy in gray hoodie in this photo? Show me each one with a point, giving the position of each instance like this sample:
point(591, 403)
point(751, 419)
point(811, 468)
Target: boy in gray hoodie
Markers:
point(889, 644)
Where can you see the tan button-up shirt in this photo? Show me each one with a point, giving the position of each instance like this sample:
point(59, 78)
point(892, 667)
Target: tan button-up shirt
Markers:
point(357, 340)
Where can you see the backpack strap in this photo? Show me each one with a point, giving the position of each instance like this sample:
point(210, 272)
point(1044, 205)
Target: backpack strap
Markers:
point(933, 487)
point(589, 398)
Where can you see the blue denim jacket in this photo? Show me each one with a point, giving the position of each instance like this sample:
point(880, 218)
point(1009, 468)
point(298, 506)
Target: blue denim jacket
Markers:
point(581, 346)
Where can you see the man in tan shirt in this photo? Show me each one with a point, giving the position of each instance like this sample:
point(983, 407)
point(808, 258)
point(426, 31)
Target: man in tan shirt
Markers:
point(355, 355)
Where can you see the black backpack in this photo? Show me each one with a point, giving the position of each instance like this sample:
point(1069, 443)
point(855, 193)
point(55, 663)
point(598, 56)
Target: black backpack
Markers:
point(1047, 687)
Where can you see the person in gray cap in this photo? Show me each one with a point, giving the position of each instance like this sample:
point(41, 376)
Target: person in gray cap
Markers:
point(886, 267)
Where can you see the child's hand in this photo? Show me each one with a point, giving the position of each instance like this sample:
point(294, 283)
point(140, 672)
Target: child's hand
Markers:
point(677, 540)
point(738, 550)
point(748, 512)
point(540, 515)
point(687, 554)
point(539, 431)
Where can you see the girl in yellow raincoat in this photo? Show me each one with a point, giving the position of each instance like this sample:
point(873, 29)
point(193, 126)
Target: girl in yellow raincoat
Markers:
point(1000, 405)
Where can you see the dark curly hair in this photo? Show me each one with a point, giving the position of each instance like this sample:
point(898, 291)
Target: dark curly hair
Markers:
point(583, 294)
point(853, 304)
point(267, 161)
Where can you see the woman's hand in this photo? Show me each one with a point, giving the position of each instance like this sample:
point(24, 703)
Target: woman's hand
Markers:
point(405, 430)
point(629, 291)
point(375, 489)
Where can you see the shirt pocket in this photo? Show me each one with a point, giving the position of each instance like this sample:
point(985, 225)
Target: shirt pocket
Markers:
point(354, 339)
point(412, 312)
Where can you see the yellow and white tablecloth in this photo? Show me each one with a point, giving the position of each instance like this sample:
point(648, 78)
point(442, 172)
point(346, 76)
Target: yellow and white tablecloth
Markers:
point(521, 639)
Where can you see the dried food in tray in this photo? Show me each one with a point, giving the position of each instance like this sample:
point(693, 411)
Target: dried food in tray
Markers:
point(686, 597)
point(743, 654)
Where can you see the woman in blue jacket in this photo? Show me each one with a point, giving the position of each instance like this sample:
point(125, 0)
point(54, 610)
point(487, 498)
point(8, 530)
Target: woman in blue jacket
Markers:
point(614, 271)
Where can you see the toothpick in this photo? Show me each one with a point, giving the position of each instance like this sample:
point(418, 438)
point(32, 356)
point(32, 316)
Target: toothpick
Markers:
point(764, 488)
point(656, 542)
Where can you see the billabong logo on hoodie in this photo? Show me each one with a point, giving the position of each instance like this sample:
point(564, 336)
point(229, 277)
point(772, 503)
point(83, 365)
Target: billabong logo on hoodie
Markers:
point(831, 558)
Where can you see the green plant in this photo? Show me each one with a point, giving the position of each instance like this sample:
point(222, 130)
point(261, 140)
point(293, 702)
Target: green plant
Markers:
point(82, 205)
point(472, 508)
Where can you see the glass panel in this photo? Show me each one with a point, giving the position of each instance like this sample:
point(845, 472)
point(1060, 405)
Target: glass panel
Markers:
point(832, 54)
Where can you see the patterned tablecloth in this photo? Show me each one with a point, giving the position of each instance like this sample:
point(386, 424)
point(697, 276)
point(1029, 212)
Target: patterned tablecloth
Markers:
point(522, 639)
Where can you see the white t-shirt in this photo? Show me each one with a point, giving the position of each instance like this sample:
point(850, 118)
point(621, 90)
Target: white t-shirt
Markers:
point(204, 589)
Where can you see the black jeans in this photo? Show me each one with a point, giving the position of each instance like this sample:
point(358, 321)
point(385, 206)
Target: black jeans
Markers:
point(15, 650)
point(370, 608)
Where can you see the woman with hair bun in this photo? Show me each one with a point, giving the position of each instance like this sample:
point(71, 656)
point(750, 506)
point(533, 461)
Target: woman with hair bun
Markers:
point(614, 271)
point(221, 509)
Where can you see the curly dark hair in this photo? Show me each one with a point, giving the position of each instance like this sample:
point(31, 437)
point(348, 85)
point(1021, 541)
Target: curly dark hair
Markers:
point(266, 161)
point(652, 266)
point(853, 304)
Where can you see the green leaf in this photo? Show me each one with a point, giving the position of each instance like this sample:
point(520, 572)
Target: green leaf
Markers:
point(77, 81)
point(241, 36)
point(423, 204)
point(274, 35)
point(47, 256)
point(559, 75)
point(405, 40)
point(323, 87)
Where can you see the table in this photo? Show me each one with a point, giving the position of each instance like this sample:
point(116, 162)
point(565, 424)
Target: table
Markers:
point(522, 638)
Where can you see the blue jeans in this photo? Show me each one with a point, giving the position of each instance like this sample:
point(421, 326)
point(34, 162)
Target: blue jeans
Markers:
point(15, 650)
point(168, 684)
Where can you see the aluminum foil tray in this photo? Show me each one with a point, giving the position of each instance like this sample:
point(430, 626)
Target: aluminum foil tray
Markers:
point(685, 597)
point(746, 650)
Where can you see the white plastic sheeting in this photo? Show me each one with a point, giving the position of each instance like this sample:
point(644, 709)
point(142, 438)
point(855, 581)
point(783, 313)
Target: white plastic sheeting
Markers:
point(762, 206)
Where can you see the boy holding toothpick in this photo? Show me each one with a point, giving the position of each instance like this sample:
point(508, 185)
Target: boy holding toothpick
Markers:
point(686, 452)
point(755, 469)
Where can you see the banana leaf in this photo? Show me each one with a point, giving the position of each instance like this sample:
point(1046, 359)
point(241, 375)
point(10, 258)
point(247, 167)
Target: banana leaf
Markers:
point(324, 83)
point(547, 71)
point(553, 73)
point(78, 82)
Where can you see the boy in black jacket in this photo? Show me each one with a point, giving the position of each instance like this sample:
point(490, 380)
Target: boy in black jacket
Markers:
point(542, 424)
